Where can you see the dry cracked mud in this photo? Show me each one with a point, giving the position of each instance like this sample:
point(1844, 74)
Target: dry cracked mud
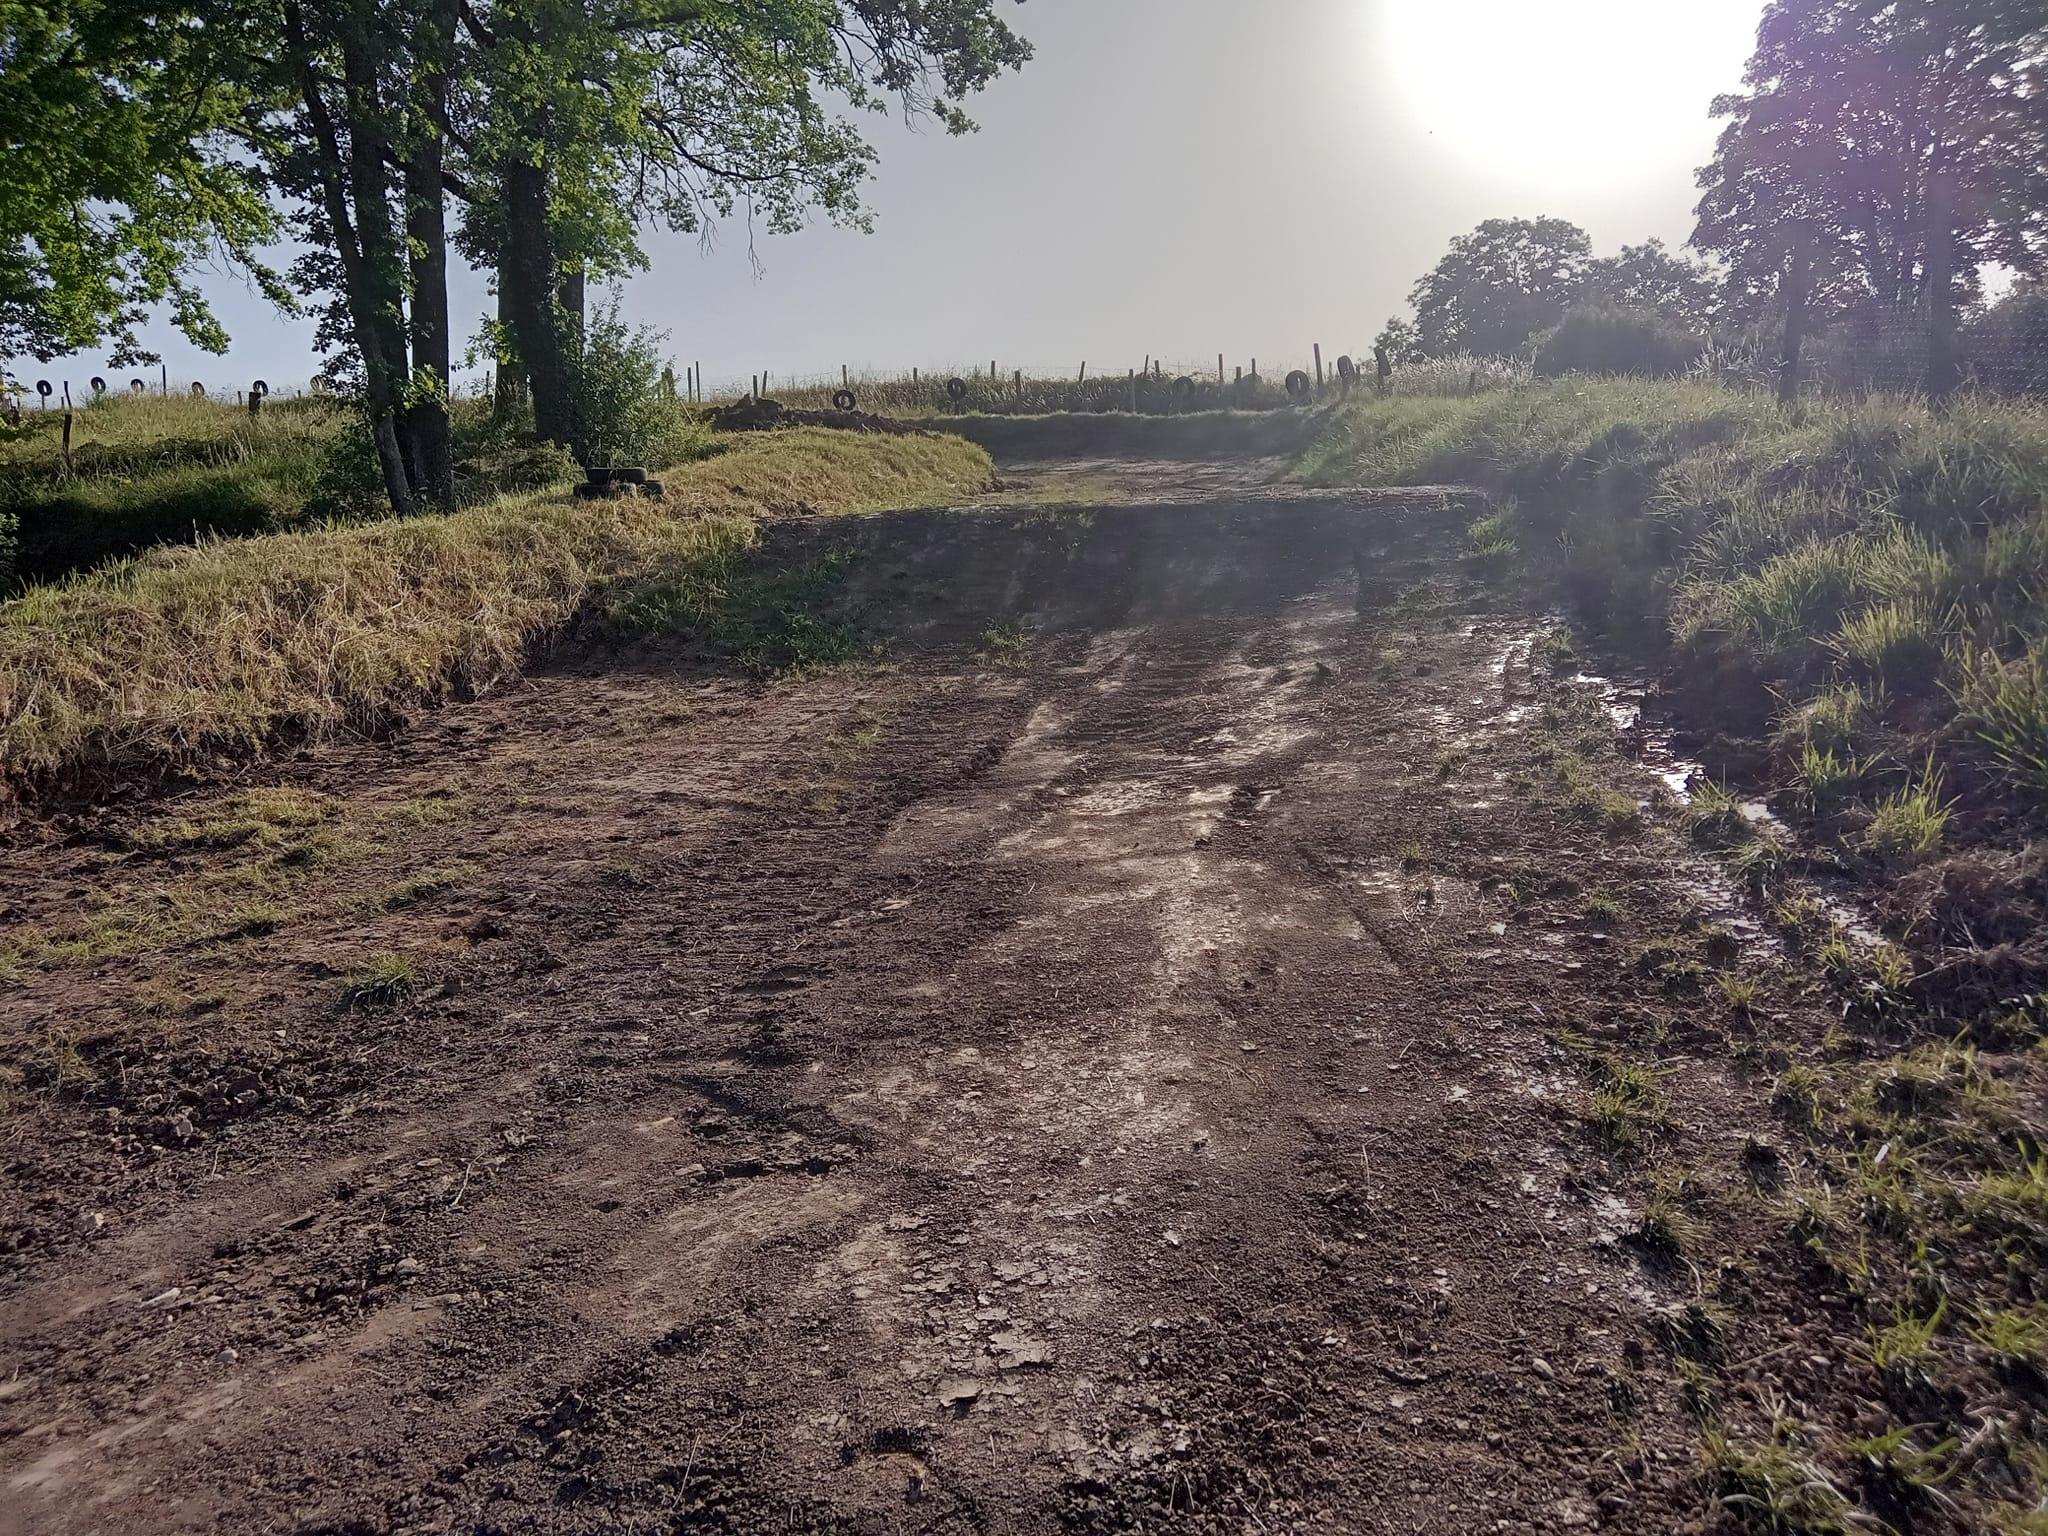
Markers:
point(1113, 1058)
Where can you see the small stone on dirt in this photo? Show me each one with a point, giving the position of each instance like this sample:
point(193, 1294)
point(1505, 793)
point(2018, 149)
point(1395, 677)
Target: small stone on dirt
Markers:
point(957, 1391)
point(90, 1223)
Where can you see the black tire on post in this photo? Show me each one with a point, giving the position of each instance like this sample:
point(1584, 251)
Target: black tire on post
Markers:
point(198, 390)
point(629, 474)
point(956, 389)
point(1347, 370)
point(843, 400)
point(1298, 385)
point(137, 387)
point(99, 385)
point(1183, 390)
point(259, 388)
point(43, 388)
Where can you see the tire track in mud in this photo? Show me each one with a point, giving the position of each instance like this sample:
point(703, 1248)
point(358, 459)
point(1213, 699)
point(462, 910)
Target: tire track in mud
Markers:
point(1077, 1115)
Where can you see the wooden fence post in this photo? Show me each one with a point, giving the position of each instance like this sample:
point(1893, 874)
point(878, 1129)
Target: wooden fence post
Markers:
point(1319, 369)
point(1219, 370)
point(1134, 390)
point(1084, 372)
point(1020, 383)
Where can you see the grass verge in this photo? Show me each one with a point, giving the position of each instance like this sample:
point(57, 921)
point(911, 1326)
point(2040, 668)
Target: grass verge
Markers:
point(158, 663)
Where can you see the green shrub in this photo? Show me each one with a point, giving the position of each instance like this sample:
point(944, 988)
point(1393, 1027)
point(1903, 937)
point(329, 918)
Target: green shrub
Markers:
point(1595, 338)
point(632, 417)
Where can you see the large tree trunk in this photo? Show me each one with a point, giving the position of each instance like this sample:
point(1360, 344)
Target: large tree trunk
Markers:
point(426, 227)
point(527, 278)
point(382, 266)
point(329, 171)
point(570, 293)
point(509, 398)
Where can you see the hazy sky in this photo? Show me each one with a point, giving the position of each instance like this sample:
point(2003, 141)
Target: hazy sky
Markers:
point(1184, 177)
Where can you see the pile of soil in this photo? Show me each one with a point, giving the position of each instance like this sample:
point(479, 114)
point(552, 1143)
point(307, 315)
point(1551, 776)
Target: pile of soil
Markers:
point(763, 415)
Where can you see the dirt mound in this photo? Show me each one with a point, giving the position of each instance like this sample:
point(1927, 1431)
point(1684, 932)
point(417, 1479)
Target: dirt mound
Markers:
point(762, 415)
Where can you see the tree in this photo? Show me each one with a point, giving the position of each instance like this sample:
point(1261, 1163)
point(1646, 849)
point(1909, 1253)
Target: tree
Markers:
point(1497, 287)
point(1883, 152)
point(121, 123)
point(1402, 345)
point(1675, 287)
point(595, 119)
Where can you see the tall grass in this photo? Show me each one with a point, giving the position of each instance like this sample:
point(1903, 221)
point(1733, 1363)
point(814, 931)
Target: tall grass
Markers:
point(226, 646)
point(1875, 544)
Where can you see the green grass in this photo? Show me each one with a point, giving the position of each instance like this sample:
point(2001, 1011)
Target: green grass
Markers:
point(1775, 1486)
point(148, 470)
point(1628, 1106)
point(1906, 826)
point(181, 655)
point(384, 983)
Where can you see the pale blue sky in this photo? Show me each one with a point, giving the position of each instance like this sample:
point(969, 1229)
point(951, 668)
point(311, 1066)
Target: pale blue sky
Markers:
point(1183, 177)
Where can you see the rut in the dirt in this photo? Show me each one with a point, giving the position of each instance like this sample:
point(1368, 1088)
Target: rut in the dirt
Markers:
point(1097, 1069)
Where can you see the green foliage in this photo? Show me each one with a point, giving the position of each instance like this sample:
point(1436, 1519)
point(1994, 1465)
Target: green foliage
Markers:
point(1776, 1487)
point(1498, 286)
point(147, 470)
point(631, 418)
point(1605, 338)
point(120, 174)
point(1895, 645)
point(1826, 147)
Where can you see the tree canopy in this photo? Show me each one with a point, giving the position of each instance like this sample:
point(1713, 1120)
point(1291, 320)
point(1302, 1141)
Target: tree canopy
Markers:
point(123, 169)
point(1866, 125)
point(1498, 286)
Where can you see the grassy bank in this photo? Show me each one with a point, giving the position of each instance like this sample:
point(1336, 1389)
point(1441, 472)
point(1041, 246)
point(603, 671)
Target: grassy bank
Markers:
point(1849, 600)
point(1863, 581)
point(161, 662)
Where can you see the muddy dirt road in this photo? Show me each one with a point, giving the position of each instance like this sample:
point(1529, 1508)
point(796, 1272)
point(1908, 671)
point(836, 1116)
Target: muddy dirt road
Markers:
point(1116, 1061)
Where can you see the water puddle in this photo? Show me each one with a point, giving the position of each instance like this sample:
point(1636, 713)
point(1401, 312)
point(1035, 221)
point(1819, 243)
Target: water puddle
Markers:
point(1651, 746)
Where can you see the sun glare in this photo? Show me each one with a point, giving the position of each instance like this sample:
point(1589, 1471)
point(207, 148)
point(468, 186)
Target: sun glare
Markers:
point(1561, 94)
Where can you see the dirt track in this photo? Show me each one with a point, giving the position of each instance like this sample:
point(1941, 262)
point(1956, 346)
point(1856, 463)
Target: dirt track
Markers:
point(1099, 1069)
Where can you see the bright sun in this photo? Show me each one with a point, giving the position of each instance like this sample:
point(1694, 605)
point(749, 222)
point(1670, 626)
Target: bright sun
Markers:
point(1563, 94)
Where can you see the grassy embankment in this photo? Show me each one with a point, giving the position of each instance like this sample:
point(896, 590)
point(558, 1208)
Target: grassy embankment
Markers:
point(1852, 596)
point(1862, 583)
point(148, 470)
point(160, 662)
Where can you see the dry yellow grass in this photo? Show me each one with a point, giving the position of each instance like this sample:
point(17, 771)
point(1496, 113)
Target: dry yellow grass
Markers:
point(163, 661)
